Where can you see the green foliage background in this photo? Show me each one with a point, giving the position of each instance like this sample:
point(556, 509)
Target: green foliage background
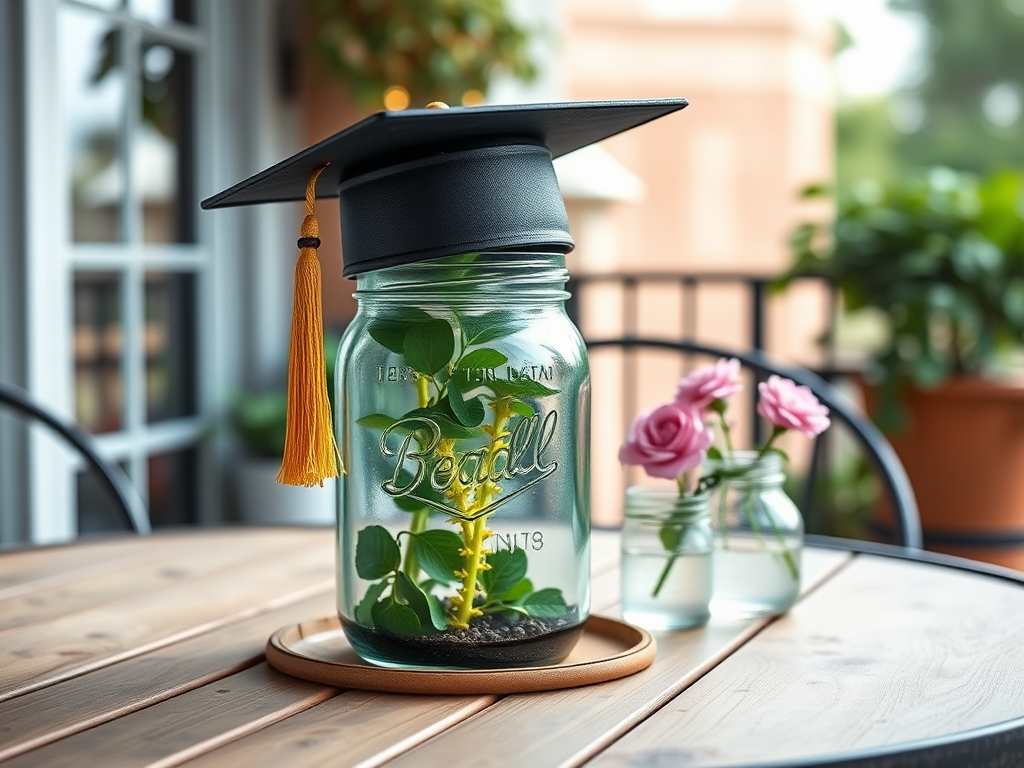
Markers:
point(971, 46)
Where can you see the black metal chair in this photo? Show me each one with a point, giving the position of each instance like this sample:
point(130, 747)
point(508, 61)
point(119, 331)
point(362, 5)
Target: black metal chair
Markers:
point(894, 482)
point(112, 477)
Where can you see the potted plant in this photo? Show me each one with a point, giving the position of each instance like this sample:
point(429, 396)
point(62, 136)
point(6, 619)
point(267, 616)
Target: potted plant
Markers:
point(940, 260)
point(258, 420)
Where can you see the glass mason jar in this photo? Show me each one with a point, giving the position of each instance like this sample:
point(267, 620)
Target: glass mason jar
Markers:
point(464, 420)
point(666, 558)
point(759, 536)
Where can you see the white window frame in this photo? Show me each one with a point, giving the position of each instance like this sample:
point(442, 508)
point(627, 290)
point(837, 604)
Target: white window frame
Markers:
point(53, 259)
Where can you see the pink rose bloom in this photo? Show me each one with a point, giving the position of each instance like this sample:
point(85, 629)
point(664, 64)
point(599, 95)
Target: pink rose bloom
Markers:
point(703, 386)
point(667, 441)
point(789, 406)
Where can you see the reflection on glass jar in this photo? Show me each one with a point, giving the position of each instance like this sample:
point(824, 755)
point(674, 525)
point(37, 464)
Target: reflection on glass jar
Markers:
point(169, 341)
point(758, 536)
point(464, 420)
point(666, 558)
point(97, 342)
point(92, 99)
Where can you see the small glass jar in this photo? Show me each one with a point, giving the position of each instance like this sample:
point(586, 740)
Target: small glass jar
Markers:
point(464, 421)
point(667, 549)
point(759, 535)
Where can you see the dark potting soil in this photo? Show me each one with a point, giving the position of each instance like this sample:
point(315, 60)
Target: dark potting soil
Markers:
point(491, 642)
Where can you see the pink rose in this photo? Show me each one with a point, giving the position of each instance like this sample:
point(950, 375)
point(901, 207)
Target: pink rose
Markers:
point(788, 406)
point(703, 386)
point(667, 441)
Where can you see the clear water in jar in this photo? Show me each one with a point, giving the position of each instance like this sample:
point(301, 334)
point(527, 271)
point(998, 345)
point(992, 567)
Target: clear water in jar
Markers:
point(682, 600)
point(754, 576)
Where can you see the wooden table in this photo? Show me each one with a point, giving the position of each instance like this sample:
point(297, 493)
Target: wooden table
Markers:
point(148, 651)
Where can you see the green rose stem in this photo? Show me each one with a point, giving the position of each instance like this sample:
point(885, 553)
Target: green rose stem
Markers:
point(681, 483)
point(475, 533)
point(786, 555)
point(719, 406)
point(421, 517)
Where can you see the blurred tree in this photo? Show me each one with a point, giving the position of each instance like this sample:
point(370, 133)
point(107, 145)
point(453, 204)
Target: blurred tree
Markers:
point(968, 110)
point(410, 52)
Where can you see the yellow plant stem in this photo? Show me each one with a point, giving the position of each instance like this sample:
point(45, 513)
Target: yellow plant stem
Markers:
point(475, 533)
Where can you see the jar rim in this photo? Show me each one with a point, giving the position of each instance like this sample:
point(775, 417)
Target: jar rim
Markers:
point(665, 503)
point(748, 466)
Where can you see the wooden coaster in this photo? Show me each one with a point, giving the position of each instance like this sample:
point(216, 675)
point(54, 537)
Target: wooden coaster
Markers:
point(318, 651)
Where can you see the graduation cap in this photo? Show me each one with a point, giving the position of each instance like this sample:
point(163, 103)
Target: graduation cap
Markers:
point(415, 185)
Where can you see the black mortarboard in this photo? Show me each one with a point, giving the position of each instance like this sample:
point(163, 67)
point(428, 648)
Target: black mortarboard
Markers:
point(426, 183)
point(418, 185)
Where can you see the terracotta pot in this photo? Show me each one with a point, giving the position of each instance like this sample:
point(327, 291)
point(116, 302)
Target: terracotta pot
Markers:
point(964, 453)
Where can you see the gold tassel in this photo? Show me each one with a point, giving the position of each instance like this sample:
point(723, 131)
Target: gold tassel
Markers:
point(310, 451)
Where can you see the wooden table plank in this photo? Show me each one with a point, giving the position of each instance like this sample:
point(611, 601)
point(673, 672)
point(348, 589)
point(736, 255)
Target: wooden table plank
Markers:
point(567, 727)
point(26, 570)
point(186, 726)
point(356, 728)
point(60, 710)
point(161, 564)
point(896, 651)
point(47, 652)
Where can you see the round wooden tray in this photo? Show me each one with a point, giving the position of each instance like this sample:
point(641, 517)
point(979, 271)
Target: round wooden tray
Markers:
point(318, 651)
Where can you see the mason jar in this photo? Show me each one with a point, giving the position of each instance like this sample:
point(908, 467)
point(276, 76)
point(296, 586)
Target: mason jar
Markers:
point(759, 535)
point(667, 548)
point(464, 418)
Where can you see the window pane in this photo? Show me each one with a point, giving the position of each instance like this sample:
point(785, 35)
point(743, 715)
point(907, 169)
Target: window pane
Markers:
point(163, 151)
point(97, 348)
point(163, 11)
point(92, 97)
point(170, 344)
point(173, 491)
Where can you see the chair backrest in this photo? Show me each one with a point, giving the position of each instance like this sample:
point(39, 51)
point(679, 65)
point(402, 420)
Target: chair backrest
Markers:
point(110, 474)
point(878, 450)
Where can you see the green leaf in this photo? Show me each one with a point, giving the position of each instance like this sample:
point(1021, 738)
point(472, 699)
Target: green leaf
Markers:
point(482, 358)
point(390, 332)
point(714, 453)
point(508, 568)
point(376, 421)
point(429, 346)
point(450, 428)
point(520, 590)
point(545, 604)
point(437, 613)
point(670, 537)
point(520, 408)
point(396, 618)
point(364, 610)
point(480, 329)
point(470, 413)
point(412, 594)
point(406, 504)
point(522, 388)
point(438, 553)
point(377, 554)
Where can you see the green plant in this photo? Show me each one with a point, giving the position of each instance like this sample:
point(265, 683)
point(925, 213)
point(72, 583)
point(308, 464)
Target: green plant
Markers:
point(941, 258)
point(462, 453)
point(436, 50)
point(258, 418)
